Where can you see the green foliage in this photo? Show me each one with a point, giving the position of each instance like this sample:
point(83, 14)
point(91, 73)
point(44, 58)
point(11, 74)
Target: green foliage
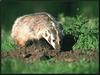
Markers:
point(6, 41)
point(86, 30)
point(86, 42)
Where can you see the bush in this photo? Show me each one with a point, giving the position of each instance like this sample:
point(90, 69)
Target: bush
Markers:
point(83, 28)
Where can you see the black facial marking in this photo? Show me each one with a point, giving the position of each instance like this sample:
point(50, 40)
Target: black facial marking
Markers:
point(45, 34)
point(49, 39)
point(54, 31)
point(49, 32)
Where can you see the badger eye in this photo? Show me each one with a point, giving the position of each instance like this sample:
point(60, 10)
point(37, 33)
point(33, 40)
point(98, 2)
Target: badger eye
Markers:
point(54, 40)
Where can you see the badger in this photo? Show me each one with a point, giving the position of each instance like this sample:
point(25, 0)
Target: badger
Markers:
point(36, 26)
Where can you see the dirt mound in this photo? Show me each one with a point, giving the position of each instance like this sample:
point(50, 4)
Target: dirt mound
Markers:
point(41, 50)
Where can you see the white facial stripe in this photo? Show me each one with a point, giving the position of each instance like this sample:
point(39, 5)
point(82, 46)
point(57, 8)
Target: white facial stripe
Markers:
point(47, 33)
point(52, 42)
point(50, 16)
point(52, 24)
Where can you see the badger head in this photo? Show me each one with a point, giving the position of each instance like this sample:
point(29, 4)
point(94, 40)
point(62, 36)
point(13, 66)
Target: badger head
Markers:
point(51, 35)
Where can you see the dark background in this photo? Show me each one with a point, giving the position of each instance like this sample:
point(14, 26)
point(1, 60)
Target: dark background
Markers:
point(11, 9)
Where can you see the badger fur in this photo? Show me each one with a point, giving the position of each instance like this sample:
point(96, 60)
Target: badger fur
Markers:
point(36, 26)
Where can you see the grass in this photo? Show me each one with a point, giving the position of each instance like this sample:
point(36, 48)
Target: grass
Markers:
point(10, 65)
point(7, 44)
point(39, 67)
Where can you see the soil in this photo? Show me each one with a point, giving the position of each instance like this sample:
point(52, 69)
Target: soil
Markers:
point(41, 50)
